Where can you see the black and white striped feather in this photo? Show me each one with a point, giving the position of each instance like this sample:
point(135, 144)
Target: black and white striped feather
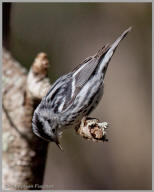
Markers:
point(77, 93)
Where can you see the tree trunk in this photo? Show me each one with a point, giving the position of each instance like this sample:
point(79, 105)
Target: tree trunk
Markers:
point(24, 154)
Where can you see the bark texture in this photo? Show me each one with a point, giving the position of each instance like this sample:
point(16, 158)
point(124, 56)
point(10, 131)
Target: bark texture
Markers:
point(24, 154)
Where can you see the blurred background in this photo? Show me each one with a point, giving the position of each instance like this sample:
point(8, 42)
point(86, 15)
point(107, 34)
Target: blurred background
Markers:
point(68, 33)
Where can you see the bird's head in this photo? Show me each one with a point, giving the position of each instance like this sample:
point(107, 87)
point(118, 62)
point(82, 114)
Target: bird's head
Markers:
point(45, 128)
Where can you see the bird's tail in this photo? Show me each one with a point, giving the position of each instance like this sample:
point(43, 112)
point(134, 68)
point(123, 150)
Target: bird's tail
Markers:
point(122, 36)
point(104, 60)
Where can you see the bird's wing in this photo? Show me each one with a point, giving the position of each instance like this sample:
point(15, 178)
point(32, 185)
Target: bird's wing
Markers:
point(81, 75)
point(70, 86)
point(57, 86)
point(85, 69)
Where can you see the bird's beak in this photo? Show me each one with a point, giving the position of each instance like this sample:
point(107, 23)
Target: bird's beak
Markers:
point(60, 147)
point(58, 144)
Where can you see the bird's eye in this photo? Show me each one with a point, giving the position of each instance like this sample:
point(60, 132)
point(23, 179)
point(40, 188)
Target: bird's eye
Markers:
point(49, 121)
point(39, 123)
point(53, 130)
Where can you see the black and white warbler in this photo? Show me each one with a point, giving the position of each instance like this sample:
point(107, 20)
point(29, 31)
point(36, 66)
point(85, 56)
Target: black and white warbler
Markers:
point(73, 95)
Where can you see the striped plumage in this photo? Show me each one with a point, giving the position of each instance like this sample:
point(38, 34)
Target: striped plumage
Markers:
point(73, 95)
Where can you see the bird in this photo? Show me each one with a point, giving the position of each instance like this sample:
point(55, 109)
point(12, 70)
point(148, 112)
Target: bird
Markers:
point(73, 95)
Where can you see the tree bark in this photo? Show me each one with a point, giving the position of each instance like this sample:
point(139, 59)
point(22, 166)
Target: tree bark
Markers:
point(24, 154)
